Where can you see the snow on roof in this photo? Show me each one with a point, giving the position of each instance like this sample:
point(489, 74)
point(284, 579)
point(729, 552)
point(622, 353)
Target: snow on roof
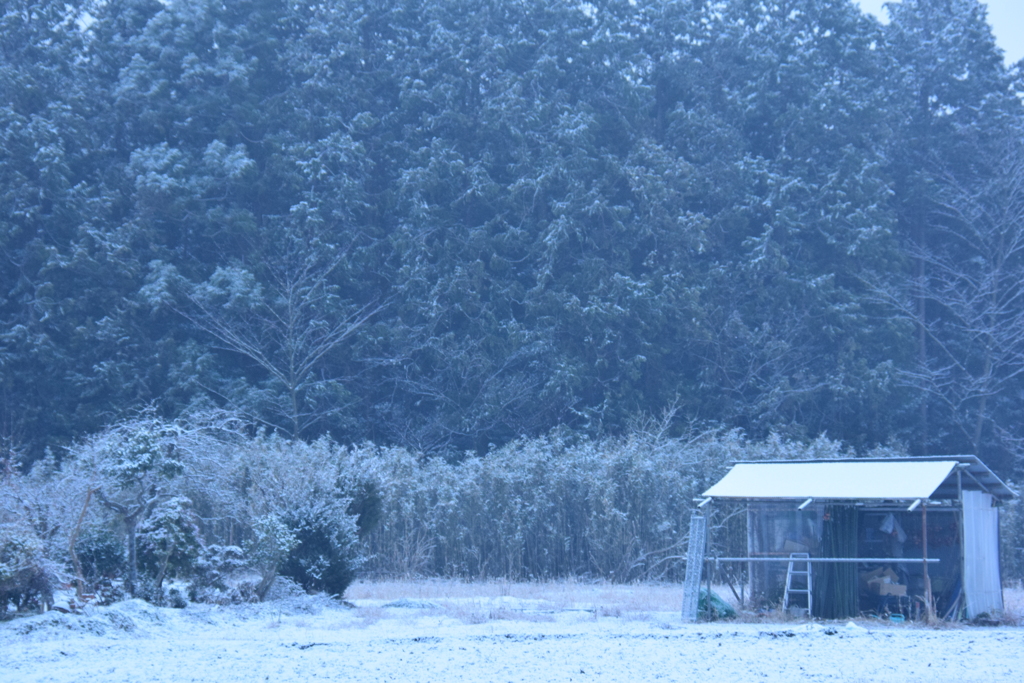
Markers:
point(851, 479)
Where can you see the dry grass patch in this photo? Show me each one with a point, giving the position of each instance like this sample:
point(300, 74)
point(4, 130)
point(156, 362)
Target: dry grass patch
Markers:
point(1013, 604)
point(461, 599)
point(367, 616)
point(505, 614)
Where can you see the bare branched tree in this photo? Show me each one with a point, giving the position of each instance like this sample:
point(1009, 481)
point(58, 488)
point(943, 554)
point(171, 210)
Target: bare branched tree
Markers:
point(288, 320)
point(972, 288)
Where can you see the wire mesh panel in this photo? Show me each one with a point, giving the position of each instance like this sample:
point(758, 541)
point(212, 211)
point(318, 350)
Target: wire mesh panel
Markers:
point(694, 563)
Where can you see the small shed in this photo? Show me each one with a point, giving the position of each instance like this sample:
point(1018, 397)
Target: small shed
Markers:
point(913, 535)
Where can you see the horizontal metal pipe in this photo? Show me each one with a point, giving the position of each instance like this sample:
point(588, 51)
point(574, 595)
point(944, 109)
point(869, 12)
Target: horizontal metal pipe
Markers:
point(900, 560)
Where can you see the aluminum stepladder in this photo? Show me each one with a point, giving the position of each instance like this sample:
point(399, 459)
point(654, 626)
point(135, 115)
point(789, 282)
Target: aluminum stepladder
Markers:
point(804, 559)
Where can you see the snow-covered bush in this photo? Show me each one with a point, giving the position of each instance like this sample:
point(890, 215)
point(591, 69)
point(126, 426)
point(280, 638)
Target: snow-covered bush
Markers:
point(221, 575)
point(129, 483)
point(27, 579)
point(99, 549)
point(270, 544)
point(170, 540)
point(325, 556)
point(198, 494)
point(100, 553)
point(117, 492)
point(28, 576)
point(306, 488)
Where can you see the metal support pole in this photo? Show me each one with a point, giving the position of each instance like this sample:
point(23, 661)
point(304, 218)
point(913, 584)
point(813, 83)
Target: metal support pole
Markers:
point(960, 539)
point(750, 552)
point(707, 554)
point(752, 547)
point(831, 560)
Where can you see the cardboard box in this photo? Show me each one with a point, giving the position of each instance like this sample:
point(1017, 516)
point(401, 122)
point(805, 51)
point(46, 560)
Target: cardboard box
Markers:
point(881, 574)
point(882, 588)
point(882, 581)
point(794, 547)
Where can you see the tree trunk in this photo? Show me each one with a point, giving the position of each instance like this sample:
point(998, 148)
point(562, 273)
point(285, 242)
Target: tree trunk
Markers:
point(163, 572)
point(133, 575)
point(922, 348)
point(80, 580)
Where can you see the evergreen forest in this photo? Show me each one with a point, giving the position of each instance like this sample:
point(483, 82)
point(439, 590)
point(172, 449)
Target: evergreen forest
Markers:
point(445, 225)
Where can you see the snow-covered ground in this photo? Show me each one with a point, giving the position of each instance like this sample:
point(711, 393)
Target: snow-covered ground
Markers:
point(454, 632)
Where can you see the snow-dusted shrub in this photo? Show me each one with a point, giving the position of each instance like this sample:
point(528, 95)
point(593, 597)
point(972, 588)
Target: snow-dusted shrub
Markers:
point(101, 557)
point(137, 464)
point(221, 575)
point(147, 500)
point(27, 579)
point(100, 553)
point(297, 501)
point(170, 540)
point(325, 556)
point(114, 493)
point(28, 575)
point(270, 542)
point(133, 479)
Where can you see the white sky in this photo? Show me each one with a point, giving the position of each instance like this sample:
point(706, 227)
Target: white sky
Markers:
point(1006, 17)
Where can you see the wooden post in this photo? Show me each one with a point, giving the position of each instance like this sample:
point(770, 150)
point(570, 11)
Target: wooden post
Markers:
point(929, 603)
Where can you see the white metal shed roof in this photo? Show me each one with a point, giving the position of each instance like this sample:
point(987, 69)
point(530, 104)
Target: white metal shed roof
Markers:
point(866, 479)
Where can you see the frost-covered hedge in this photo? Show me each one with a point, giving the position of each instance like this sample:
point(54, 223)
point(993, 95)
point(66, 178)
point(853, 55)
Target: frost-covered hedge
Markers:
point(559, 506)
